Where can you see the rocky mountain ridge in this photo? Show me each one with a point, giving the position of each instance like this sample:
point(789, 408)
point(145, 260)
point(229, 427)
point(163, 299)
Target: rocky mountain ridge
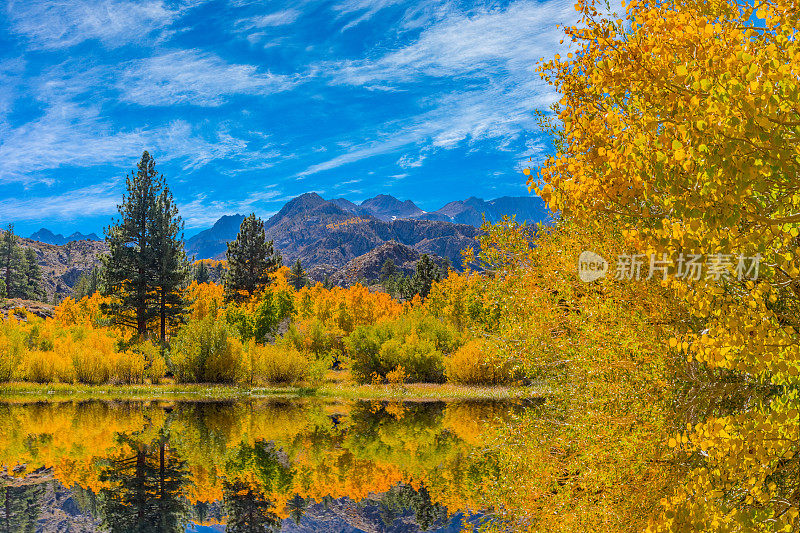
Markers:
point(330, 233)
point(46, 236)
point(62, 265)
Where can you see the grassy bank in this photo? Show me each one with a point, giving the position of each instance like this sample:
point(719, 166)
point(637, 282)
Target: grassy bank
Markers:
point(25, 392)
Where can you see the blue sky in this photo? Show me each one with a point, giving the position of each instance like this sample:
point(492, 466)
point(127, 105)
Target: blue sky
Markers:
point(246, 104)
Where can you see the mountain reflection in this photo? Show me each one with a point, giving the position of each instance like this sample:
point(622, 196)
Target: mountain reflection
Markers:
point(243, 467)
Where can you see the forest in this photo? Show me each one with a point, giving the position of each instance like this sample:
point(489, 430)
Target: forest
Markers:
point(672, 400)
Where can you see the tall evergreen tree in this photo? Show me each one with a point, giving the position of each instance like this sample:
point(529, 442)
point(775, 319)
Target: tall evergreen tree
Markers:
point(21, 507)
point(200, 273)
point(427, 272)
point(171, 268)
point(34, 287)
point(88, 283)
point(388, 270)
point(8, 259)
point(250, 260)
point(297, 507)
point(297, 276)
point(130, 264)
point(146, 265)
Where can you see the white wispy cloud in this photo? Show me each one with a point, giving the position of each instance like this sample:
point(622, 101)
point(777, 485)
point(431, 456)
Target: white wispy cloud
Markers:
point(69, 135)
point(98, 199)
point(365, 10)
point(486, 43)
point(492, 53)
point(278, 18)
point(194, 77)
point(10, 71)
point(51, 24)
point(203, 210)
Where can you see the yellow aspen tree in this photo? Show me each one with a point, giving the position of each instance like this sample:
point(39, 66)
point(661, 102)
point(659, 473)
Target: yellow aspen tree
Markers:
point(681, 123)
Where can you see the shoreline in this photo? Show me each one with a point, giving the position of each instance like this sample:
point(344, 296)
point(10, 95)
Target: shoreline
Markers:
point(27, 392)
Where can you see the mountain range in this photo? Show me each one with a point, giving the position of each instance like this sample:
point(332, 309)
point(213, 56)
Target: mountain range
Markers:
point(47, 236)
point(330, 233)
point(470, 211)
point(332, 238)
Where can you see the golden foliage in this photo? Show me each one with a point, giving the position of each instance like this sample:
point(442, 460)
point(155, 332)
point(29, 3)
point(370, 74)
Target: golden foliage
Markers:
point(680, 125)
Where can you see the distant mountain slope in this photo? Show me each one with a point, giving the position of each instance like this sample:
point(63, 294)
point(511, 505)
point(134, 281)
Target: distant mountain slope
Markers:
point(368, 266)
point(62, 265)
point(319, 232)
point(47, 236)
point(386, 207)
point(212, 242)
point(529, 209)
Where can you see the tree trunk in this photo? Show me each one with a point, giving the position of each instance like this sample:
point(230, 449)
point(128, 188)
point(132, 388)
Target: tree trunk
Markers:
point(162, 496)
point(8, 512)
point(163, 309)
point(141, 496)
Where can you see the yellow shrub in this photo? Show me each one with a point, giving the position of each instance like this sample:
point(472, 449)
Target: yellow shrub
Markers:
point(155, 365)
point(129, 367)
point(278, 364)
point(47, 367)
point(398, 376)
point(93, 355)
point(207, 300)
point(12, 347)
point(478, 362)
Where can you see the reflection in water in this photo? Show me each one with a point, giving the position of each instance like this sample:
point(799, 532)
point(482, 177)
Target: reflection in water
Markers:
point(145, 488)
point(242, 467)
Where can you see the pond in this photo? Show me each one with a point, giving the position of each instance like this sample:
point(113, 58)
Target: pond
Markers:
point(297, 465)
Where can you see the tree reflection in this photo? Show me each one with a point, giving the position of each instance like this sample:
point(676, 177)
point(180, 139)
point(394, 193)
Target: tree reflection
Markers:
point(20, 507)
point(145, 488)
point(249, 510)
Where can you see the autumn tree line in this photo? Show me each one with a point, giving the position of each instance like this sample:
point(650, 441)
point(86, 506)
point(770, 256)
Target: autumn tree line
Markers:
point(148, 314)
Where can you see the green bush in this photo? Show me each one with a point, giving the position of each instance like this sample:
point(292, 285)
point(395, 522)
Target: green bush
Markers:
point(262, 322)
point(417, 342)
point(206, 351)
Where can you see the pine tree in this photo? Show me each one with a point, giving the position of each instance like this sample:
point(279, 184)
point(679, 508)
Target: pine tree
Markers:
point(297, 277)
point(250, 260)
point(427, 273)
point(136, 267)
point(19, 280)
point(171, 268)
point(297, 507)
point(20, 507)
point(388, 270)
point(34, 288)
point(88, 284)
point(201, 274)
point(8, 251)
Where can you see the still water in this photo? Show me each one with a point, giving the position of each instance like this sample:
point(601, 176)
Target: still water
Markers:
point(294, 465)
